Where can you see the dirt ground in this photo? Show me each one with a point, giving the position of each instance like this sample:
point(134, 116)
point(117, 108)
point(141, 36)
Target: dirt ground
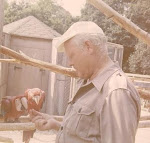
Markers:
point(39, 136)
point(142, 136)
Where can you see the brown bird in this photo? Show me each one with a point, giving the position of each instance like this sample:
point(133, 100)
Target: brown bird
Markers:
point(35, 99)
point(12, 108)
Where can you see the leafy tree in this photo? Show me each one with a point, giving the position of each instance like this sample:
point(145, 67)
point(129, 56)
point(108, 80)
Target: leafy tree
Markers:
point(14, 11)
point(139, 60)
point(5, 4)
point(139, 13)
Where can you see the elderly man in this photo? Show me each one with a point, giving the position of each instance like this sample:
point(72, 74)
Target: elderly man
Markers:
point(106, 106)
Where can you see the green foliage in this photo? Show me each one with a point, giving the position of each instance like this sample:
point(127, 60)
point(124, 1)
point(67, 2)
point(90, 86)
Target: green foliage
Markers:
point(139, 13)
point(139, 60)
point(5, 4)
point(15, 11)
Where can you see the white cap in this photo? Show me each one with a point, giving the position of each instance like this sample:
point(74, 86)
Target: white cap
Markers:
point(77, 28)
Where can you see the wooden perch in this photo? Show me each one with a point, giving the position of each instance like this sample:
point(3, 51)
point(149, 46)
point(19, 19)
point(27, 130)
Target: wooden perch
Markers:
point(25, 124)
point(145, 94)
point(31, 126)
point(144, 121)
point(60, 118)
point(144, 124)
point(9, 61)
point(22, 58)
point(122, 21)
point(142, 118)
point(17, 126)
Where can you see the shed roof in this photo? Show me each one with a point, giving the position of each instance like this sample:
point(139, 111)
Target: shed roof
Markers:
point(30, 27)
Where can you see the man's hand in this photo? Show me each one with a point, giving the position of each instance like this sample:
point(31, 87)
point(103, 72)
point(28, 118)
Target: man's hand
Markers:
point(44, 121)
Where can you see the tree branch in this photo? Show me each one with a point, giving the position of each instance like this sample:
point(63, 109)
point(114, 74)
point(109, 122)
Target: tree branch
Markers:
point(9, 61)
point(22, 58)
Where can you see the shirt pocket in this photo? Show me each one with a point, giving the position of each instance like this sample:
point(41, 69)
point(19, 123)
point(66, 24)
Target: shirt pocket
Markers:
point(80, 121)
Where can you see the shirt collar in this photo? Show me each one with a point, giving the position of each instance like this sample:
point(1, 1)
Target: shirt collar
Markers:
point(102, 77)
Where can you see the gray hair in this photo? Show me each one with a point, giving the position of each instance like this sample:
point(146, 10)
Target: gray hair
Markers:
point(98, 40)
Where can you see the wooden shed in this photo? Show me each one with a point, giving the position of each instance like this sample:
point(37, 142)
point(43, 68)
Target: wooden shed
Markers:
point(33, 38)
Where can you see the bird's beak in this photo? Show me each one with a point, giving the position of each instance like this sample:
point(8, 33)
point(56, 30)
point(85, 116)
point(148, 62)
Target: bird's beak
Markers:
point(18, 104)
point(36, 99)
point(22, 108)
point(24, 102)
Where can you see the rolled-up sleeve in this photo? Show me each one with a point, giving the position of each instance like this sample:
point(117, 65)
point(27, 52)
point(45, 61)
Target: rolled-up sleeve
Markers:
point(119, 118)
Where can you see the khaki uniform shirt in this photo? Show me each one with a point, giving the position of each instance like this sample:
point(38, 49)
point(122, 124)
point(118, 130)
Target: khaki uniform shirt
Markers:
point(105, 110)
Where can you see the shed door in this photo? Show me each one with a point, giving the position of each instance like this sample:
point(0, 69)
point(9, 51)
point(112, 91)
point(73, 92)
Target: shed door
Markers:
point(21, 77)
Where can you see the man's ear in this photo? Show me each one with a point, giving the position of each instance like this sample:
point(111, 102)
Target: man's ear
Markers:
point(89, 47)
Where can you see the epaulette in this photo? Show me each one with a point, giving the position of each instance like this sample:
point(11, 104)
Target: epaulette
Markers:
point(117, 81)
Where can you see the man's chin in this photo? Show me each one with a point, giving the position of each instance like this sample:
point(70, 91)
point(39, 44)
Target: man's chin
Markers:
point(82, 76)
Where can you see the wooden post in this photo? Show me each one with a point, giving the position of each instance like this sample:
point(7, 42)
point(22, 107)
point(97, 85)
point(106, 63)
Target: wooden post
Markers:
point(121, 20)
point(51, 82)
point(1, 19)
point(1, 35)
